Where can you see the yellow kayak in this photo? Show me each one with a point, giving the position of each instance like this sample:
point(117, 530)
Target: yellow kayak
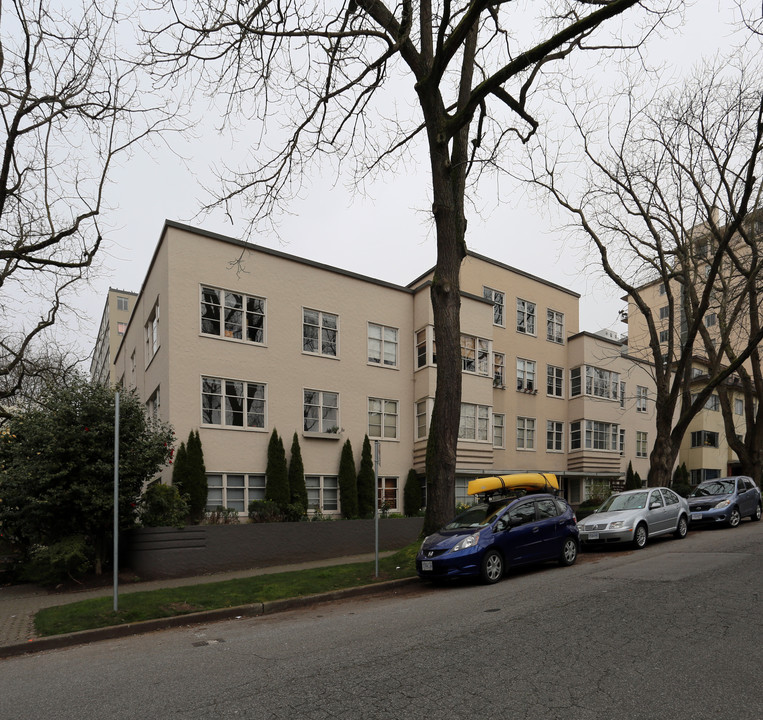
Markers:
point(525, 481)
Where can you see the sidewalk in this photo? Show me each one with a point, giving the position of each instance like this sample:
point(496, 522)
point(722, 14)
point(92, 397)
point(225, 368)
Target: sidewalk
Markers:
point(20, 603)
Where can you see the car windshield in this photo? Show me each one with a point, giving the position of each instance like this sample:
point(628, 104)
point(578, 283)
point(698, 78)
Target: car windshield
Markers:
point(714, 487)
point(476, 516)
point(632, 501)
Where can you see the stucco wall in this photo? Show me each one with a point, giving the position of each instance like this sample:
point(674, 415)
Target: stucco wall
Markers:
point(167, 552)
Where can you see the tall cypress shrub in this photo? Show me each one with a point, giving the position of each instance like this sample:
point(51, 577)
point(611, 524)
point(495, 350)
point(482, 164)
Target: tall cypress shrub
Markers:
point(180, 469)
point(277, 482)
point(412, 495)
point(348, 488)
point(297, 489)
point(196, 484)
point(630, 478)
point(366, 478)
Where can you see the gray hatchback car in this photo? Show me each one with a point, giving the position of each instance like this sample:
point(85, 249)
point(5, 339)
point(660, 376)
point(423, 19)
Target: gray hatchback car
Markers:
point(725, 501)
point(636, 515)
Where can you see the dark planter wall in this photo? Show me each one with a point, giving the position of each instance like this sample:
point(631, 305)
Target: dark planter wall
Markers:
point(202, 549)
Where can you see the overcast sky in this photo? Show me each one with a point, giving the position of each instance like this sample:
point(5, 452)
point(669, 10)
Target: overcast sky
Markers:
point(385, 234)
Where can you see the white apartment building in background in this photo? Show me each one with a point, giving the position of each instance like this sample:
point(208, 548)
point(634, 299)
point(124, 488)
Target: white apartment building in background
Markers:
point(116, 314)
point(332, 355)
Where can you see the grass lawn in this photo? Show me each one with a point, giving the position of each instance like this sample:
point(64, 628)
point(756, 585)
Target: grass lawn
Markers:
point(148, 605)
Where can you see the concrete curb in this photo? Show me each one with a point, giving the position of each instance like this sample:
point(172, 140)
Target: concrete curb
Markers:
point(55, 642)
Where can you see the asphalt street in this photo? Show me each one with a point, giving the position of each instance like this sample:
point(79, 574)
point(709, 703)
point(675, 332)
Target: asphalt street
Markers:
point(672, 631)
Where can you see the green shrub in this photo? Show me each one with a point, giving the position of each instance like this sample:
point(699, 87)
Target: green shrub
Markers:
point(296, 475)
point(163, 506)
point(366, 481)
point(277, 482)
point(348, 483)
point(69, 558)
point(294, 512)
point(264, 511)
point(412, 494)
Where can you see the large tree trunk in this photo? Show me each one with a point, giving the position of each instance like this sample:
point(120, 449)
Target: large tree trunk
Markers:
point(664, 452)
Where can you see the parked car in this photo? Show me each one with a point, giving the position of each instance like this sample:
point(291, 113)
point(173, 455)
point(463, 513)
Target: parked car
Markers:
point(725, 500)
point(488, 537)
point(636, 515)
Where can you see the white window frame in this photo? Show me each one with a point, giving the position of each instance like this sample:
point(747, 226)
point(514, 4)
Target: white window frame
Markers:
point(388, 487)
point(151, 331)
point(474, 422)
point(239, 317)
point(642, 448)
point(499, 430)
point(153, 406)
point(526, 433)
point(555, 326)
point(527, 375)
point(387, 412)
point(499, 370)
point(421, 411)
point(738, 406)
point(499, 305)
point(555, 381)
point(123, 303)
point(554, 436)
point(253, 488)
point(327, 327)
point(475, 355)
point(382, 345)
point(526, 317)
point(602, 383)
point(327, 420)
point(642, 393)
point(601, 436)
point(253, 403)
point(327, 487)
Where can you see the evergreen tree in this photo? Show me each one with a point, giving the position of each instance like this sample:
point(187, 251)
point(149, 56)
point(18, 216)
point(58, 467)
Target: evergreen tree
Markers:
point(412, 499)
point(196, 482)
point(277, 482)
point(366, 480)
point(638, 481)
point(348, 488)
point(297, 488)
point(630, 478)
point(180, 469)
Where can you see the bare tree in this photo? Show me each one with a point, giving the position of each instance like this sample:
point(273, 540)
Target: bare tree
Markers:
point(69, 107)
point(669, 183)
point(324, 70)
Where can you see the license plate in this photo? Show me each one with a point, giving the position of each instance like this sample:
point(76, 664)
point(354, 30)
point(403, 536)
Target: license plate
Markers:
point(593, 536)
point(426, 565)
point(696, 516)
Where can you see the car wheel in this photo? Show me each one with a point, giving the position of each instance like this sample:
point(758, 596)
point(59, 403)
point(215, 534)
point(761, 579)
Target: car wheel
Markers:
point(569, 552)
point(640, 536)
point(492, 567)
point(682, 528)
point(735, 518)
point(756, 515)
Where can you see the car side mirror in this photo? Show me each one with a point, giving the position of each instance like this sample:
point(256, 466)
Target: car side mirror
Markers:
point(654, 506)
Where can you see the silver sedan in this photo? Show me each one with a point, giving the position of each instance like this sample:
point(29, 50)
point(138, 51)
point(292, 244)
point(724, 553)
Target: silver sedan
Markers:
point(636, 515)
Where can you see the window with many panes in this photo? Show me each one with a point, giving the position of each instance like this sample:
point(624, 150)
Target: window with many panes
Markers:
point(232, 403)
point(322, 493)
point(499, 431)
point(498, 300)
point(575, 382)
point(525, 374)
point(576, 435)
point(525, 433)
point(123, 303)
point(554, 381)
point(712, 403)
point(499, 370)
point(525, 317)
point(423, 354)
point(474, 423)
point(234, 490)
point(387, 494)
point(232, 315)
point(704, 438)
point(321, 411)
point(382, 418)
point(382, 345)
point(475, 354)
point(554, 436)
point(554, 326)
point(320, 332)
point(641, 396)
point(641, 444)
point(601, 435)
point(602, 383)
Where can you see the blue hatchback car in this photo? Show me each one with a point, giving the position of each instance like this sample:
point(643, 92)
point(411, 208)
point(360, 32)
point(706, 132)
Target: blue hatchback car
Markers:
point(491, 536)
point(725, 501)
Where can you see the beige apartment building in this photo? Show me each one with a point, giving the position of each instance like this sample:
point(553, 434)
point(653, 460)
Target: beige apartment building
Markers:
point(237, 349)
point(116, 314)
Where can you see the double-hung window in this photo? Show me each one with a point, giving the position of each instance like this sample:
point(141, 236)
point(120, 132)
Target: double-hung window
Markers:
point(554, 436)
point(321, 411)
point(525, 433)
point(232, 403)
point(554, 381)
point(525, 317)
point(151, 331)
point(499, 370)
point(498, 300)
point(232, 315)
point(322, 492)
point(320, 332)
point(382, 345)
point(234, 490)
point(475, 354)
point(475, 422)
point(382, 418)
point(422, 419)
point(641, 396)
point(499, 431)
point(641, 444)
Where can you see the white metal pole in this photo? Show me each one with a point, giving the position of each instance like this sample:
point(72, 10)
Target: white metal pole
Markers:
point(376, 503)
point(116, 501)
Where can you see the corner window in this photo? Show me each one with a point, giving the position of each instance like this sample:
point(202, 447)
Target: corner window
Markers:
point(575, 382)
point(320, 332)
point(422, 419)
point(321, 411)
point(424, 356)
point(232, 315)
point(474, 355)
point(525, 317)
point(382, 418)
point(704, 438)
point(382, 345)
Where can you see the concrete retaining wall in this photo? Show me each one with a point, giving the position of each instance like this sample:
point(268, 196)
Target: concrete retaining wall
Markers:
point(168, 552)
